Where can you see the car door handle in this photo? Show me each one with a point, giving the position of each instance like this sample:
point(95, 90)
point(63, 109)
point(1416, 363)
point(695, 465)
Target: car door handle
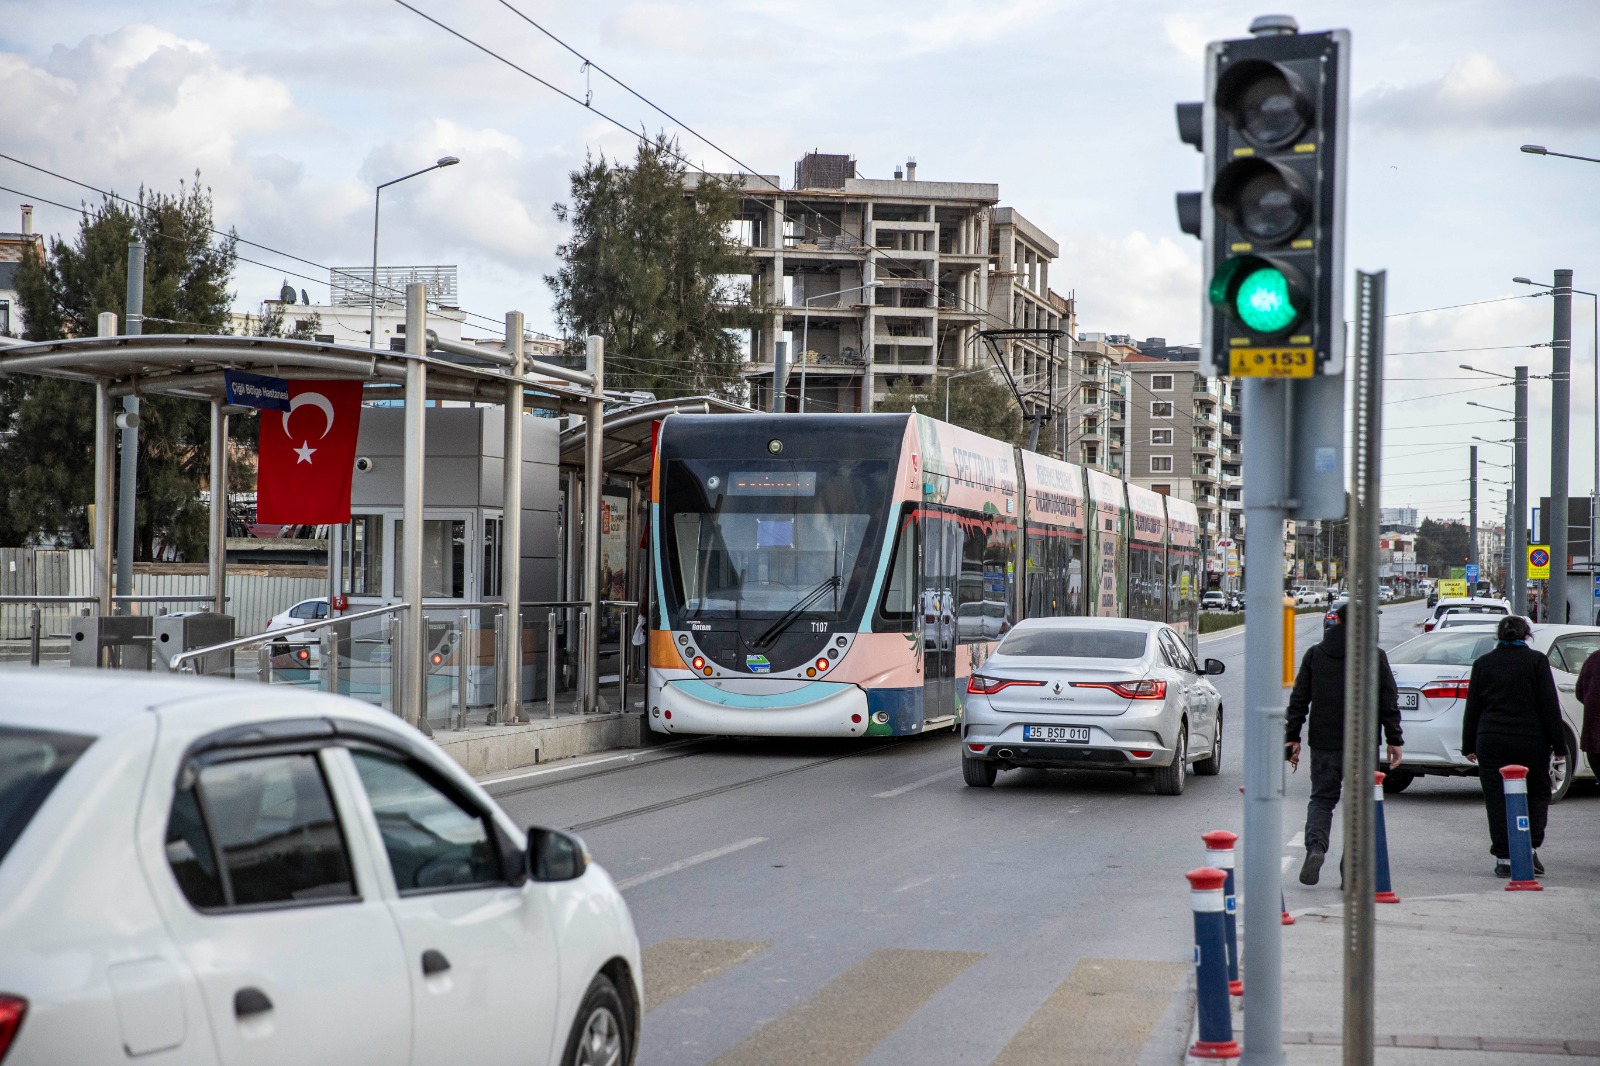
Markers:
point(249, 1002)
point(433, 961)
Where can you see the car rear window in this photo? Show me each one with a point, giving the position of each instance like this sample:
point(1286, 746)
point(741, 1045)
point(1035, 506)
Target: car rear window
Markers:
point(1075, 643)
point(31, 762)
point(1460, 647)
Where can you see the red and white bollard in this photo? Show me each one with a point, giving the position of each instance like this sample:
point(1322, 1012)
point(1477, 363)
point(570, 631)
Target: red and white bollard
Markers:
point(1514, 780)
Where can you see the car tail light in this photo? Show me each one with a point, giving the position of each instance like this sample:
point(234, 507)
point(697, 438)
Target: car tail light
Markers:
point(1148, 689)
point(978, 685)
point(1445, 690)
point(1141, 754)
point(12, 1008)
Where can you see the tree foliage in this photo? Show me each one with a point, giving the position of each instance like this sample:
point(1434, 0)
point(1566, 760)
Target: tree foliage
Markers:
point(982, 403)
point(47, 424)
point(1441, 545)
point(649, 267)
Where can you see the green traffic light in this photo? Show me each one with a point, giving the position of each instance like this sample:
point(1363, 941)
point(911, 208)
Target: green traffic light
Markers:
point(1263, 302)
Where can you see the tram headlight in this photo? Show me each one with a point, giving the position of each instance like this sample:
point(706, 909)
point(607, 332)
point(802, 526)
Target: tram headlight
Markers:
point(698, 662)
point(822, 664)
point(880, 718)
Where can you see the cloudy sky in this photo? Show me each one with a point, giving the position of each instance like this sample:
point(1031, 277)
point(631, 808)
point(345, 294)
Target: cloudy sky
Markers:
point(293, 111)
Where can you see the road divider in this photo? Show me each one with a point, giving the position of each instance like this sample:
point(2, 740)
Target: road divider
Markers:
point(1219, 854)
point(1514, 779)
point(1213, 1014)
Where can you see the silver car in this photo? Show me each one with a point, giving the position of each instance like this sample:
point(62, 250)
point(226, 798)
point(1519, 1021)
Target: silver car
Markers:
point(1093, 694)
point(1432, 671)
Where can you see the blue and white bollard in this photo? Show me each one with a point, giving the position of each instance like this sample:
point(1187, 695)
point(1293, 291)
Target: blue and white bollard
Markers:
point(1515, 783)
point(1383, 891)
point(1211, 966)
point(1219, 854)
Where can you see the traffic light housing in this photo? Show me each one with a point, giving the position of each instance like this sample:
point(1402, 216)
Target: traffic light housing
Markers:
point(1273, 129)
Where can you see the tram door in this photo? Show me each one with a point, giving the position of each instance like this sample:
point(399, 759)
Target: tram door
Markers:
point(940, 576)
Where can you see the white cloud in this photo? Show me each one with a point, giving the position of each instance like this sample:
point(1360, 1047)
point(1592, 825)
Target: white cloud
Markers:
point(1475, 93)
point(1131, 283)
point(1186, 35)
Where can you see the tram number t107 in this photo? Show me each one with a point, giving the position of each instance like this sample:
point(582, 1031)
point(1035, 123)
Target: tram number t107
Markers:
point(819, 627)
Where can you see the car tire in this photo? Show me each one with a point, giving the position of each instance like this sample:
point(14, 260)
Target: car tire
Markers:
point(978, 773)
point(1211, 766)
point(600, 1034)
point(1559, 787)
point(1170, 779)
point(1395, 781)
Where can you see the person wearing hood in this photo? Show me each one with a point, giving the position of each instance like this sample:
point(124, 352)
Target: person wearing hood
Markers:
point(1319, 693)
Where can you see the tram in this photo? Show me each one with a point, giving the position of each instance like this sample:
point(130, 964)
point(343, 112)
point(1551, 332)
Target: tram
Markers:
point(843, 575)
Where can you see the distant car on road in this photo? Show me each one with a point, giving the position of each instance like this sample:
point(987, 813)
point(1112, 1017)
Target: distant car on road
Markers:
point(1432, 672)
point(1459, 619)
point(1468, 605)
point(1235, 601)
point(1385, 593)
point(1093, 694)
point(211, 872)
point(1213, 601)
point(312, 610)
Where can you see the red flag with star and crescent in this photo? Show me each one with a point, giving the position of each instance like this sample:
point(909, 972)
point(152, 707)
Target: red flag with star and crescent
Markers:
point(307, 455)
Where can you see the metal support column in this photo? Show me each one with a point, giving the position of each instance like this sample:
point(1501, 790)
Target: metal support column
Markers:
point(1472, 514)
point(105, 479)
point(218, 557)
point(780, 377)
point(128, 484)
point(593, 477)
point(1560, 435)
point(1266, 476)
point(1519, 520)
point(511, 528)
point(410, 666)
point(1361, 674)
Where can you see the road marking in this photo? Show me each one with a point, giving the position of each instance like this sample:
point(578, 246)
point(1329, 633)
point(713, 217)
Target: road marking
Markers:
point(675, 966)
point(1288, 861)
point(1298, 840)
point(641, 755)
point(684, 864)
point(849, 1016)
point(1103, 1012)
point(903, 789)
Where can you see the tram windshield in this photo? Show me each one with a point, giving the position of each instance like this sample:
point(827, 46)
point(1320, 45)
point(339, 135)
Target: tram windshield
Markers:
point(771, 540)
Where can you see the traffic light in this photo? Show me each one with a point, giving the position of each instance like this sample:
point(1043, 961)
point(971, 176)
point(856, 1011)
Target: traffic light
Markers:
point(1273, 131)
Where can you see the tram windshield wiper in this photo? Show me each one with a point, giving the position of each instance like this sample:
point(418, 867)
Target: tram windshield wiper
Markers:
point(776, 629)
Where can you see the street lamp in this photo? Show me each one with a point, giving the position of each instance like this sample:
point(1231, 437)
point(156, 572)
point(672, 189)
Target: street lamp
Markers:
point(952, 377)
point(805, 333)
point(377, 198)
point(1539, 149)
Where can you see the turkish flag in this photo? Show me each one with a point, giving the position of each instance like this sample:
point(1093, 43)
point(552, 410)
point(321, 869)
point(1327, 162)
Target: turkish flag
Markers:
point(308, 454)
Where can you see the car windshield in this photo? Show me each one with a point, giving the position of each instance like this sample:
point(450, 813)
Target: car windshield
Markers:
point(1459, 648)
point(31, 762)
point(1075, 643)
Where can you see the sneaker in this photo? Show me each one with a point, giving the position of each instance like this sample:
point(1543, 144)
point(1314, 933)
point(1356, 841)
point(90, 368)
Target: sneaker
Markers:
point(1538, 867)
point(1311, 869)
point(1502, 867)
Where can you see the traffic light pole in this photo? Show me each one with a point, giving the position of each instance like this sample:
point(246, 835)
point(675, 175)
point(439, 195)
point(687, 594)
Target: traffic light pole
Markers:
point(1266, 507)
point(1519, 520)
point(1560, 426)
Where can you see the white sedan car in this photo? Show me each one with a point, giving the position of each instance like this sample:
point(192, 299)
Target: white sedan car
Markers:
point(312, 610)
point(1093, 694)
point(1465, 605)
point(210, 872)
point(1432, 671)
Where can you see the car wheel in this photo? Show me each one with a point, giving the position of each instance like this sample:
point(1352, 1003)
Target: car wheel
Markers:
point(1561, 784)
point(1169, 779)
point(1397, 781)
point(1211, 766)
point(979, 773)
point(600, 1034)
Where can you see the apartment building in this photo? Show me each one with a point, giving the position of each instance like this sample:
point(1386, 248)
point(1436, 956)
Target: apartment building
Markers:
point(1097, 401)
point(12, 248)
point(1183, 442)
point(872, 280)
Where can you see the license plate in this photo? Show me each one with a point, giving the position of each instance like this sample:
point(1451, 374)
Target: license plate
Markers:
point(1272, 362)
point(1408, 701)
point(1069, 734)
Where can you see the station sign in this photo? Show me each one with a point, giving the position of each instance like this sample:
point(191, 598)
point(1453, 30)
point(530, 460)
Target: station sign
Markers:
point(256, 390)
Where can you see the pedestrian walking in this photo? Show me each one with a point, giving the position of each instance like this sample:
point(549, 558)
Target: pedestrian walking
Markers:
point(1319, 692)
point(1589, 693)
point(1513, 718)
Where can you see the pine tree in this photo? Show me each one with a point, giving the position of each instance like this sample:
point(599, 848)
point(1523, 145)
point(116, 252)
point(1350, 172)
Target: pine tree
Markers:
point(47, 424)
point(647, 267)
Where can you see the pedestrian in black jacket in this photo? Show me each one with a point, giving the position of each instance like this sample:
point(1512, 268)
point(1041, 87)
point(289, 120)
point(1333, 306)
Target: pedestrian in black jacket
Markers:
point(1319, 688)
point(1513, 718)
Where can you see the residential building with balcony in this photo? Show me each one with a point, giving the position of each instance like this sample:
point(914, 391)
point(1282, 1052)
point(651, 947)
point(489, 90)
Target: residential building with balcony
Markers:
point(1097, 403)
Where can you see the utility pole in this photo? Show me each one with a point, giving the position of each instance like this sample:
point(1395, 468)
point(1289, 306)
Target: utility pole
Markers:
point(128, 473)
point(1518, 576)
point(1560, 431)
point(1472, 514)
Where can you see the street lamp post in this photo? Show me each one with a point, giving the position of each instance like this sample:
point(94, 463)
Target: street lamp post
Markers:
point(952, 377)
point(1518, 577)
point(1539, 149)
point(805, 333)
point(377, 199)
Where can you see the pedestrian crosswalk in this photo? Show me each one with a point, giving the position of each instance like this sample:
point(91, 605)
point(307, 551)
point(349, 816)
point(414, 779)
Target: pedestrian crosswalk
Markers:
point(1105, 1010)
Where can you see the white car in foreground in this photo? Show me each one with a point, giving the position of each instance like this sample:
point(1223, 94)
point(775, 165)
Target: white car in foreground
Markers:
point(209, 872)
point(1092, 694)
point(1431, 672)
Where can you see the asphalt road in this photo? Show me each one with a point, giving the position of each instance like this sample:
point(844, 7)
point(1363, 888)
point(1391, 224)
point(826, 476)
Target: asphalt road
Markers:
point(833, 903)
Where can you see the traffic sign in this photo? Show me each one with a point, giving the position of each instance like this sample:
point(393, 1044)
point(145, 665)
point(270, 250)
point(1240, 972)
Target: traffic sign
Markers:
point(1539, 562)
point(1472, 573)
point(1597, 586)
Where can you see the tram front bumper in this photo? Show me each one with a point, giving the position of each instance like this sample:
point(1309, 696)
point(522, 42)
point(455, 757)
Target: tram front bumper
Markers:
point(815, 709)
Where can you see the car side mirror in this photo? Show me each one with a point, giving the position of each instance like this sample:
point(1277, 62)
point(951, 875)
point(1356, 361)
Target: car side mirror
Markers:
point(1215, 666)
point(556, 856)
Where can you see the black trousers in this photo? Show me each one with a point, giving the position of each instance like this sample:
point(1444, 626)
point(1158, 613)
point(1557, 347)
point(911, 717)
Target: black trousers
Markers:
point(1327, 779)
point(1496, 750)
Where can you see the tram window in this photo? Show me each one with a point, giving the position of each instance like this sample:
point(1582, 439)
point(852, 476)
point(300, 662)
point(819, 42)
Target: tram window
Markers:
point(363, 570)
point(900, 591)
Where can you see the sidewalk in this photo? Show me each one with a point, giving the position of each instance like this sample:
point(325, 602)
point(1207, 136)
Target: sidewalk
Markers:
point(1493, 977)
